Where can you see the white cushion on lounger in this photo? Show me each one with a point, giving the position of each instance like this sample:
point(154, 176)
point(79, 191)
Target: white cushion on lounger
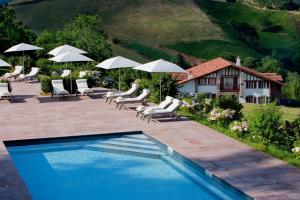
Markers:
point(142, 96)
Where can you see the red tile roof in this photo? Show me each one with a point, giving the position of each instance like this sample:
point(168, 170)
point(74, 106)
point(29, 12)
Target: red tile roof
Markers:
point(273, 76)
point(220, 63)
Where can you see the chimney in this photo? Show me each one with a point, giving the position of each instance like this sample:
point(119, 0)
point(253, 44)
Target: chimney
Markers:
point(190, 75)
point(238, 61)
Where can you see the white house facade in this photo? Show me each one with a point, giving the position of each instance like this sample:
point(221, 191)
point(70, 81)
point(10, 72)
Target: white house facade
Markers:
point(221, 77)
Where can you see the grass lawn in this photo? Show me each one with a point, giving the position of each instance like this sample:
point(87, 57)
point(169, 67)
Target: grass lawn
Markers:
point(289, 113)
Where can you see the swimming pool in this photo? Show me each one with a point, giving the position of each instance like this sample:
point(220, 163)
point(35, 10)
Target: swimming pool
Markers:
point(117, 166)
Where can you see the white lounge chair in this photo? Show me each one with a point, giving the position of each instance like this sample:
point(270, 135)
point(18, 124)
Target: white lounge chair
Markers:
point(4, 92)
point(65, 73)
point(120, 101)
point(18, 70)
point(164, 104)
point(170, 111)
point(83, 88)
point(58, 88)
point(32, 74)
point(112, 95)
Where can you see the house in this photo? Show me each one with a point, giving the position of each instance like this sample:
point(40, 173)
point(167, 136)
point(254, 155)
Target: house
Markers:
point(222, 77)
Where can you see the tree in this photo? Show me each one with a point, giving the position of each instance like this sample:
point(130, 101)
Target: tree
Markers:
point(48, 40)
point(292, 88)
point(84, 32)
point(11, 31)
point(269, 64)
point(249, 62)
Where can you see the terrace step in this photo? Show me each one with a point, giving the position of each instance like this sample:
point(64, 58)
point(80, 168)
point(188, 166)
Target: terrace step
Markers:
point(132, 140)
point(124, 150)
point(130, 145)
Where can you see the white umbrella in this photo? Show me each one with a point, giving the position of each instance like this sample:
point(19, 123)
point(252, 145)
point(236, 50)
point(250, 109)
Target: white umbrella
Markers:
point(4, 64)
point(118, 63)
point(160, 66)
point(70, 57)
point(66, 48)
point(23, 47)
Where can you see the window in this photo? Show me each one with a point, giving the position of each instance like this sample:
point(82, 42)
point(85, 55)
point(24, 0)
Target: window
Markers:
point(228, 83)
point(251, 99)
point(263, 99)
point(250, 84)
point(202, 81)
point(210, 95)
point(263, 84)
point(212, 81)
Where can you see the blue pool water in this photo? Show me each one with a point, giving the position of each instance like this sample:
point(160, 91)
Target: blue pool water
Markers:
point(116, 169)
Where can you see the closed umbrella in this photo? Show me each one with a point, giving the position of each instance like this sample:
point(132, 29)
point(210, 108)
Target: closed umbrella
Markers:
point(22, 47)
point(118, 63)
point(65, 48)
point(70, 57)
point(160, 66)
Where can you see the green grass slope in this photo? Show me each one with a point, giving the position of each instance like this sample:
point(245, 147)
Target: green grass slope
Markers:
point(146, 28)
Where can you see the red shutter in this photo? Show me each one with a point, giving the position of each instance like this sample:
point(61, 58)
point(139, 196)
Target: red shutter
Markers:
point(235, 80)
point(222, 83)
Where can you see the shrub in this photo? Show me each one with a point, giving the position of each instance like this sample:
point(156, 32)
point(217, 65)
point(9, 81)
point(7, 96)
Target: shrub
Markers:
point(290, 132)
point(200, 105)
point(265, 122)
point(44, 65)
point(169, 86)
point(239, 127)
point(227, 102)
point(221, 117)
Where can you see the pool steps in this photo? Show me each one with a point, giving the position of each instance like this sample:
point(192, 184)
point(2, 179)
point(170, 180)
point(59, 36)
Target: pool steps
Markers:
point(138, 145)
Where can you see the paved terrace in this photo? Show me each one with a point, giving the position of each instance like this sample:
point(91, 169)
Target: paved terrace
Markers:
point(32, 116)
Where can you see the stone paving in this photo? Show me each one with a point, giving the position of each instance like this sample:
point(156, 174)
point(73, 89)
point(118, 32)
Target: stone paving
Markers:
point(34, 116)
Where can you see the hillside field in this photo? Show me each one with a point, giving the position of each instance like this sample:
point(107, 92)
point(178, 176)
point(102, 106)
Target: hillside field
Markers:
point(198, 28)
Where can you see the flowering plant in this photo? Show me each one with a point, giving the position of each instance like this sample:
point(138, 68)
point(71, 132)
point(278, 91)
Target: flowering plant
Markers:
point(137, 81)
point(239, 127)
point(296, 150)
point(219, 114)
point(186, 106)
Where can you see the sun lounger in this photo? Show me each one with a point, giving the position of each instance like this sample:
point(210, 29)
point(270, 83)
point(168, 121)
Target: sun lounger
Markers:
point(65, 73)
point(4, 93)
point(18, 70)
point(111, 95)
point(82, 87)
point(171, 111)
point(120, 101)
point(58, 88)
point(32, 74)
point(164, 104)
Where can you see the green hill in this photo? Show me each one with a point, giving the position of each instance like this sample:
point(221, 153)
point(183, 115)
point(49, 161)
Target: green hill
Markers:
point(146, 29)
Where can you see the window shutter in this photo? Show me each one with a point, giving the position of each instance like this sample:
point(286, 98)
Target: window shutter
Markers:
point(222, 83)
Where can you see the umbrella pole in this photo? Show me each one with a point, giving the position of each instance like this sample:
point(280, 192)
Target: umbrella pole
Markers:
point(160, 88)
point(71, 80)
point(119, 80)
point(23, 64)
